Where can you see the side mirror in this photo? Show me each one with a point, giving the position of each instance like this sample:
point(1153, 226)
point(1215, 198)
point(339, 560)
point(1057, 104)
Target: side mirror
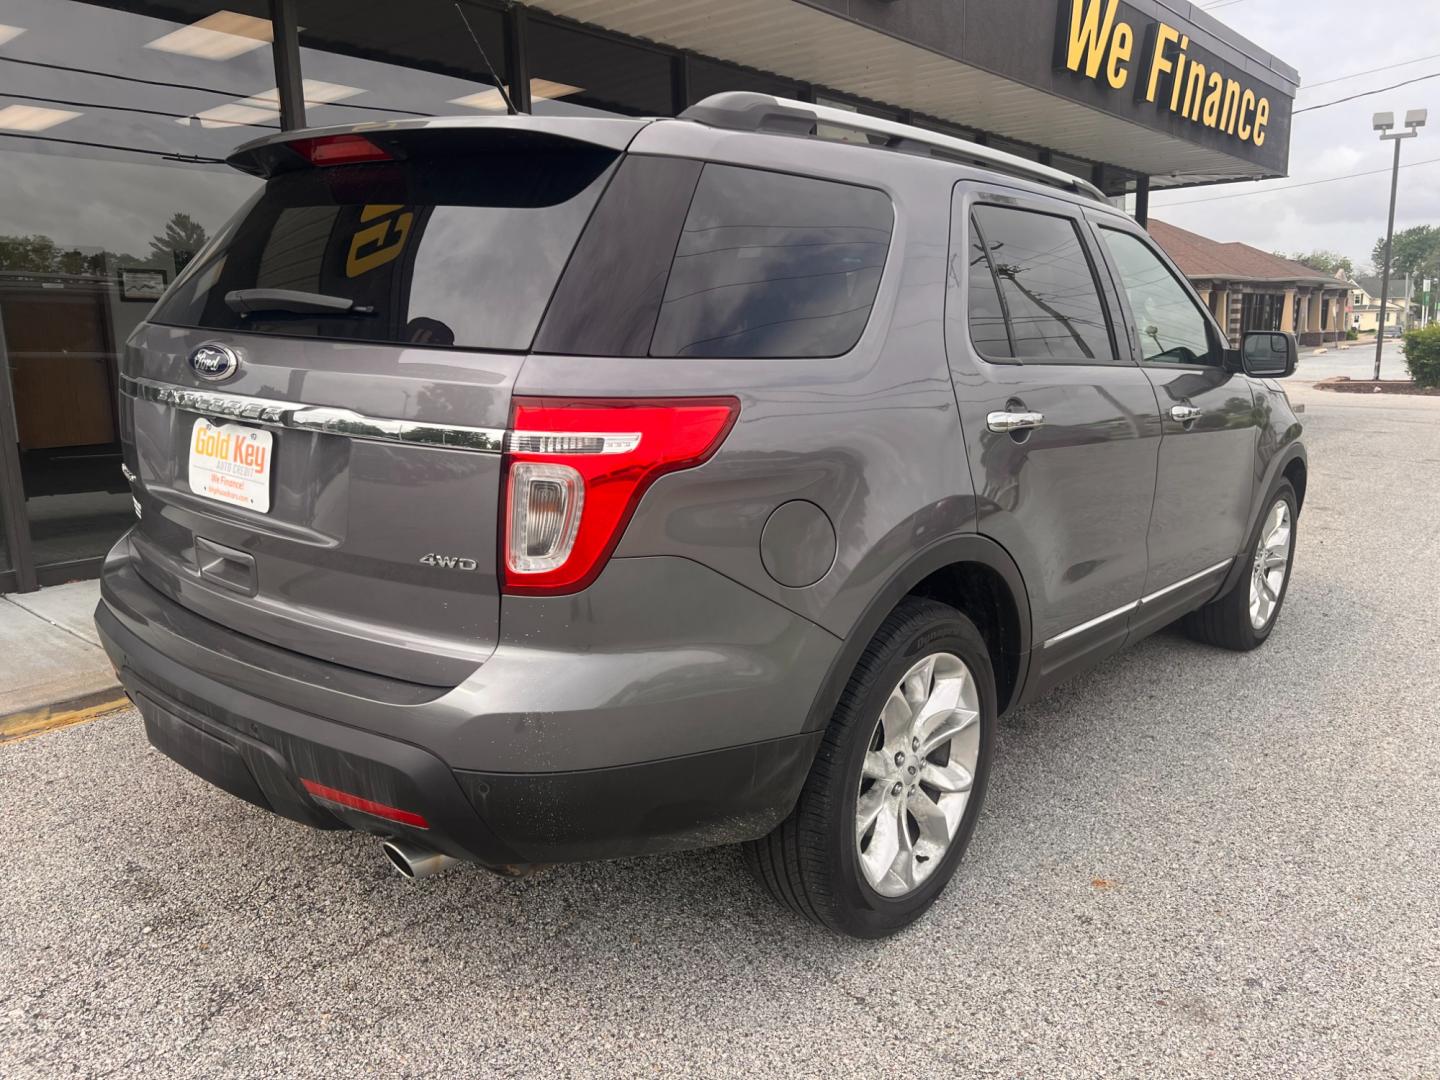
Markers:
point(1268, 354)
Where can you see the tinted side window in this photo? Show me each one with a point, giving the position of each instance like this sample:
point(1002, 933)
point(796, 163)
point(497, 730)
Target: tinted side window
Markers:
point(773, 265)
point(608, 299)
point(987, 317)
point(1172, 329)
point(1046, 288)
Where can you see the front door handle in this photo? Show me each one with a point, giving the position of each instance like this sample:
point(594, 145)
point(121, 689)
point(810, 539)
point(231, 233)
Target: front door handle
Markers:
point(1014, 421)
point(1184, 414)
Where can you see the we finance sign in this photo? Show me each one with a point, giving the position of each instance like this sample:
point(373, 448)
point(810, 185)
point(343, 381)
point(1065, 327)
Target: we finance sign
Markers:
point(1157, 63)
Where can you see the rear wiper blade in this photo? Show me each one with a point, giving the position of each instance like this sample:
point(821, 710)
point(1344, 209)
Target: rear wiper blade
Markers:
point(292, 302)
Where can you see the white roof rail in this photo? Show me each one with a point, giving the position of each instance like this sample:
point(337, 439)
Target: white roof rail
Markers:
point(747, 111)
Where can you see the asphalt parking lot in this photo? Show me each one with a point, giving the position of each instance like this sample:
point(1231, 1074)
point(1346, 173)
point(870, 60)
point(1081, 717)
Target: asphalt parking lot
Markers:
point(1191, 863)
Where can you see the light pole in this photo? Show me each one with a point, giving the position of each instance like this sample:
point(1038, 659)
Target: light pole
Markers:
point(1384, 122)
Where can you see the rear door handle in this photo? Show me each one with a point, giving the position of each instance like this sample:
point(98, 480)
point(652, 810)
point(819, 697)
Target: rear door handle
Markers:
point(1014, 421)
point(1184, 414)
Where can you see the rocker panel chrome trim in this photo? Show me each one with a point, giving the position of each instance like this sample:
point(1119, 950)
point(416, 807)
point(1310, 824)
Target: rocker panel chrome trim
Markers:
point(1158, 593)
point(1092, 623)
point(1127, 608)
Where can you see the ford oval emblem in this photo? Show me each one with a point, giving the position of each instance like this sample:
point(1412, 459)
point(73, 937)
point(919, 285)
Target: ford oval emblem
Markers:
point(214, 361)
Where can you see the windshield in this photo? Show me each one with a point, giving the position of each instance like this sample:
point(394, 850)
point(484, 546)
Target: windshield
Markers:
point(461, 248)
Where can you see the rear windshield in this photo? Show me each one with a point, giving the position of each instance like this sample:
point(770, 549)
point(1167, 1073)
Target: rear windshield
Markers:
point(460, 249)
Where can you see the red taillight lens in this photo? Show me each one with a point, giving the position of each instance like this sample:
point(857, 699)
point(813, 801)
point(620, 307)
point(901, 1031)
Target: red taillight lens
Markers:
point(577, 468)
point(365, 806)
point(339, 150)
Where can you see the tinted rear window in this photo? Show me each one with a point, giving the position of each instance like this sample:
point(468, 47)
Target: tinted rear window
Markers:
point(774, 265)
point(460, 248)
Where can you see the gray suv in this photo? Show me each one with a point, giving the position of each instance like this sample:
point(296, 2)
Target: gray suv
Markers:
point(522, 490)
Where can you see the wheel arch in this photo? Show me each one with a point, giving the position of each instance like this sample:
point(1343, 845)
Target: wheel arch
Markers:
point(1292, 465)
point(969, 572)
point(1297, 471)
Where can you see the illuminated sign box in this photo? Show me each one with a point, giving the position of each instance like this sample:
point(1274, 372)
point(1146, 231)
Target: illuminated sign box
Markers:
point(1160, 67)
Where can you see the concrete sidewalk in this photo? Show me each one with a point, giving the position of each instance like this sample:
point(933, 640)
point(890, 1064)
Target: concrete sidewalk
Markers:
point(52, 668)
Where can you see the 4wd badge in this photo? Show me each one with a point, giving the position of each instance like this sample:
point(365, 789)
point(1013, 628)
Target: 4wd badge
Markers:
point(449, 562)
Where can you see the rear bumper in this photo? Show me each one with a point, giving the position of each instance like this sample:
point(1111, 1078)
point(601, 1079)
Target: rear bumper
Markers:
point(261, 739)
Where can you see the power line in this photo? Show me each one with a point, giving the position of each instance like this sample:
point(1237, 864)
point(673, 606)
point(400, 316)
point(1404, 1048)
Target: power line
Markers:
point(1367, 93)
point(168, 155)
point(1368, 71)
point(128, 108)
point(1291, 187)
point(192, 86)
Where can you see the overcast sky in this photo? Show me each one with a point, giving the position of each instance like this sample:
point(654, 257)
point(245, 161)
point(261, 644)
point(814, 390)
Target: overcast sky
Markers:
point(1325, 39)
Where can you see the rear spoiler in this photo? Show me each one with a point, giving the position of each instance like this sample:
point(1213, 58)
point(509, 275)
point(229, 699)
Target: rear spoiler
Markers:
point(399, 139)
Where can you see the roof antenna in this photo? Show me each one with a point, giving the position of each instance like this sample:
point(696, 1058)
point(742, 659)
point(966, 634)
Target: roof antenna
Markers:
point(510, 109)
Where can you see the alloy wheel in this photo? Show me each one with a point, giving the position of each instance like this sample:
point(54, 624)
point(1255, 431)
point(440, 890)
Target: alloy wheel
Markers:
point(917, 775)
point(1271, 564)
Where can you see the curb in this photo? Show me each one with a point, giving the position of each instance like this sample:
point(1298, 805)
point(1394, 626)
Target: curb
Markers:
point(77, 710)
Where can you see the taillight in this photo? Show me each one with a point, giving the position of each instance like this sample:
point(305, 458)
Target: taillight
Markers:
point(339, 150)
point(576, 469)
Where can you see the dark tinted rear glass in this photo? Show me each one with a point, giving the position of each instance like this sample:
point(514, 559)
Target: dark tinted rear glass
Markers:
point(458, 248)
point(773, 265)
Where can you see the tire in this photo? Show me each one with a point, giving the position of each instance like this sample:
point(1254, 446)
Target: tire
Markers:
point(812, 862)
point(1227, 620)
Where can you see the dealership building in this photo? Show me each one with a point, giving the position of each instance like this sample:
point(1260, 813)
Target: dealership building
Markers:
point(115, 119)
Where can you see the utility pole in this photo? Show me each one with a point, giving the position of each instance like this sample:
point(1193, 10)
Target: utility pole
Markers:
point(1384, 123)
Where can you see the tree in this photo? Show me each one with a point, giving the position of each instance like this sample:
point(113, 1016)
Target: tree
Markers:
point(37, 254)
point(177, 245)
point(1415, 251)
point(1323, 262)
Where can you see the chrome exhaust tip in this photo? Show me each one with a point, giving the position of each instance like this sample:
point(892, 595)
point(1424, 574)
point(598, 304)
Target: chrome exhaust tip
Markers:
point(412, 861)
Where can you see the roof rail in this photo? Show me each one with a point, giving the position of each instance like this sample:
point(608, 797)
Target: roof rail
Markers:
point(746, 111)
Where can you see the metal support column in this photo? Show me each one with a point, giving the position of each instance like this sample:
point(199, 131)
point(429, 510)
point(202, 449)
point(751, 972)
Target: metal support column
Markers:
point(286, 50)
point(680, 83)
point(1142, 199)
point(12, 483)
point(517, 65)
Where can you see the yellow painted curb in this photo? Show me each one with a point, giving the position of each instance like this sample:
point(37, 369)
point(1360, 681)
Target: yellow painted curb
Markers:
point(28, 722)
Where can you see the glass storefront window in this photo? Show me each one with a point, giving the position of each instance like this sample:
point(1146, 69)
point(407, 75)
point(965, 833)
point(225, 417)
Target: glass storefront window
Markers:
point(942, 128)
point(843, 134)
point(112, 131)
point(1029, 153)
point(712, 77)
point(400, 60)
point(1074, 166)
point(579, 73)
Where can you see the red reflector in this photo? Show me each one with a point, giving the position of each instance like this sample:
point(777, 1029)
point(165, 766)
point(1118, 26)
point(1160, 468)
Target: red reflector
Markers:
point(592, 458)
point(339, 150)
point(365, 806)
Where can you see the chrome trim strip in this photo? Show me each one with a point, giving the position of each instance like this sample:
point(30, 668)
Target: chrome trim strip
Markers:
point(1186, 581)
point(318, 418)
point(572, 442)
point(125, 472)
point(1126, 609)
point(1091, 624)
point(1014, 421)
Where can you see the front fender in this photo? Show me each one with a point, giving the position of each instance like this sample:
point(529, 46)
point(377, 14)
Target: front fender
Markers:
point(1280, 445)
